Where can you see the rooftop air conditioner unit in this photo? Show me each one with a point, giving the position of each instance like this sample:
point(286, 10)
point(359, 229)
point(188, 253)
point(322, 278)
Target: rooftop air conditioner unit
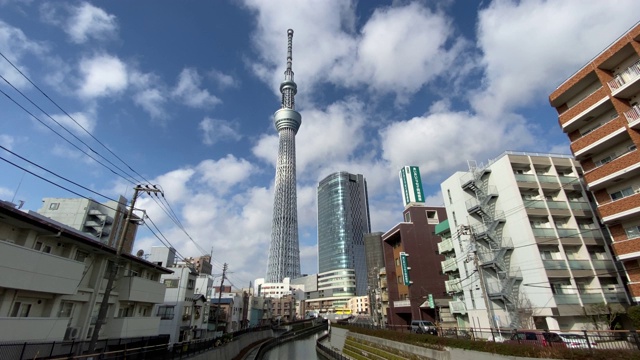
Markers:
point(71, 333)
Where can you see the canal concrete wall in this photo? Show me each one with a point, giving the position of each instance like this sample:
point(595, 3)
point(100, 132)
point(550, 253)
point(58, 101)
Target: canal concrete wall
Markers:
point(232, 349)
point(449, 354)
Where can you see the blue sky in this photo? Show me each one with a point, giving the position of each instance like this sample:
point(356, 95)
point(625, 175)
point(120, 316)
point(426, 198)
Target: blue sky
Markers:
point(184, 93)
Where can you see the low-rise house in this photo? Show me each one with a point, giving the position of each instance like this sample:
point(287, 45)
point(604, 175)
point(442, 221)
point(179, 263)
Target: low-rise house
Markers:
point(53, 280)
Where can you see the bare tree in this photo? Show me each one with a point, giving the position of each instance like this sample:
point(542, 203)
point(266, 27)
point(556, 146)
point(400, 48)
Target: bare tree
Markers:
point(602, 315)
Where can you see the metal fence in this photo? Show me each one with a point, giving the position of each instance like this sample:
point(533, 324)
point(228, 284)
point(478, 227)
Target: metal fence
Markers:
point(573, 339)
point(327, 351)
point(156, 347)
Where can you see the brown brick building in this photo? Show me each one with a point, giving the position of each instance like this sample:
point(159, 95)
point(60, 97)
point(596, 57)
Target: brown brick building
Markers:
point(416, 238)
point(598, 110)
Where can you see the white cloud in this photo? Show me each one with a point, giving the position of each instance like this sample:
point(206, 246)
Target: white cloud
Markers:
point(7, 141)
point(84, 120)
point(152, 101)
point(89, 22)
point(531, 46)
point(16, 45)
point(223, 80)
point(214, 130)
point(189, 92)
point(224, 173)
point(102, 75)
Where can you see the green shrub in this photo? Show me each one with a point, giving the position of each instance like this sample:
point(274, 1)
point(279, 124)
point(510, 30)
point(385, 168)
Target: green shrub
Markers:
point(441, 343)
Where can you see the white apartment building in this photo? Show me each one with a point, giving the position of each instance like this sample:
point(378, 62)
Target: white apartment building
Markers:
point(181, 312)
point(272, 290)
point(527, 222)
point(359, 305)
point(53, 281)
point(103, 221)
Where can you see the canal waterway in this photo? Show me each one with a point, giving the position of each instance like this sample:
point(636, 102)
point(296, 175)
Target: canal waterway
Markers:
point(302, 348)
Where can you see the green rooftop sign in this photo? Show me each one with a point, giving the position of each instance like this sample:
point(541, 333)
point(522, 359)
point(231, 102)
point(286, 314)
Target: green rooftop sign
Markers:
point(405, 268)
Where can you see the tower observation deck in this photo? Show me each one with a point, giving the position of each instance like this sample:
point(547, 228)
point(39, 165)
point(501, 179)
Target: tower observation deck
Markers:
point(284, 252)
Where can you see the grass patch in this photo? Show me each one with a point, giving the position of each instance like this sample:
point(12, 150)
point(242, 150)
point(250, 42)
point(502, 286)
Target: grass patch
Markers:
point(441, 343)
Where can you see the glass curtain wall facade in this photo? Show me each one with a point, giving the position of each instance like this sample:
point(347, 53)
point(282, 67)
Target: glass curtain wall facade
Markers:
point(343, 220)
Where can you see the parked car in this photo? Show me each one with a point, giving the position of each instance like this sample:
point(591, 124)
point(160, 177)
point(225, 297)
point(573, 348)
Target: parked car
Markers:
point(576, 341)
point(423, 327)
point(537, 338)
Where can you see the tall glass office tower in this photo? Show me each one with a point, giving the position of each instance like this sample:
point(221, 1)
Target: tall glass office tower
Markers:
point(343, 220)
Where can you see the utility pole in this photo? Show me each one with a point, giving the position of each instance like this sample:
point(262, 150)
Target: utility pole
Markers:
point(224, 271)
point(104, 305)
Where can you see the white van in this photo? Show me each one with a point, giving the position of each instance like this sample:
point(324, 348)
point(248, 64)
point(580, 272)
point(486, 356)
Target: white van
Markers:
point(423, 327)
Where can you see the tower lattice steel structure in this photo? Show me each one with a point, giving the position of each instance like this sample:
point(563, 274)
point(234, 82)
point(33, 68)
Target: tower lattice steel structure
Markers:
point(284, 253)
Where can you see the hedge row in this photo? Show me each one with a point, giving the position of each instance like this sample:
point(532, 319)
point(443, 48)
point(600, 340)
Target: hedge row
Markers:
point(441, 343)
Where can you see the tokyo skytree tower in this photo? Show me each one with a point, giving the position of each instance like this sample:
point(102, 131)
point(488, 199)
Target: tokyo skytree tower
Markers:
point(284, 253)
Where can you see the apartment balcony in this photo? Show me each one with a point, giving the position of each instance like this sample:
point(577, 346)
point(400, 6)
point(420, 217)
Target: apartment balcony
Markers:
point(624, 165)
point(570, 119)
point(401, 303)
point(592, 236)
point(593, 298)
point(556, 268)
point(581, 208)
point(620, 209)
point(131, 327)
point(626, 84)
point(32, 329)
point(28, 269)
point(546, 236)
point(567, 299)
point(526, 181)
point(457, 307)
point(633, 117)
point(453, 286)
point(606, 265)
point(445, 246)
point(627, 250)
point(449, 265)
point(599, 139)
point(616, 296)
point(134, 288)
point(580, 268)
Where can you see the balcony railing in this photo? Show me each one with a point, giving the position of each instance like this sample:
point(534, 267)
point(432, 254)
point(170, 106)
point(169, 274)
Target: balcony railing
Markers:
point(565, 233)
point(579, 205)
point(616, 297)
point(554, 264)
point(544, 232)
point(457, 307)
point(449, 265)
point(453, 286)
point(525, 178)
point(557, 205)
point(566, 299)
point(604, 264)
point(633, 114)
point(627, 76)
point(549, 179)
point(445, 246)
point(579, 265)
point(592, 298)
point(569, 179)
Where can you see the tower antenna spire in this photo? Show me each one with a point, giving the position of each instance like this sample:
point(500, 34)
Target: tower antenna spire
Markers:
point(288, 87)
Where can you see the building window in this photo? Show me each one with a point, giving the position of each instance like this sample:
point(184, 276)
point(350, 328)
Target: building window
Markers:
point(449, 196)
point(399, 279)
point(81, 255)
point(66, 309)
point(54, 206)
point(20, 309)
point(171, 283)
point(622, 193)
point(165, 312)
point(633, 232)
point(407, 217)
point(432, 217)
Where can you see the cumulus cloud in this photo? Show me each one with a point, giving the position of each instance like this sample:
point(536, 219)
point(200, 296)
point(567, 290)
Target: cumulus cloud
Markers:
point(87, 21)
point(102, 75)
point(224, 173)
point(189, 92)
point(524, 61)
point(214, 130)
point(16, 45)
point(223, 80)
point(7, 141)
point(80, 123)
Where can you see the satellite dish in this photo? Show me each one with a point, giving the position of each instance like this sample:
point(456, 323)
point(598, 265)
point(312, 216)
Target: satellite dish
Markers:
point(140, 253)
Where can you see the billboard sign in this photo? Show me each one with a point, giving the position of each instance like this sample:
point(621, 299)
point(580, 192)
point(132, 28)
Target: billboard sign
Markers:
point(405, 268)
point(411, 184)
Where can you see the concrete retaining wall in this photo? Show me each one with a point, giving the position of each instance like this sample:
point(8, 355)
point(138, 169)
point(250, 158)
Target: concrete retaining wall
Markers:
point(449, 354)
point(232, 349)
